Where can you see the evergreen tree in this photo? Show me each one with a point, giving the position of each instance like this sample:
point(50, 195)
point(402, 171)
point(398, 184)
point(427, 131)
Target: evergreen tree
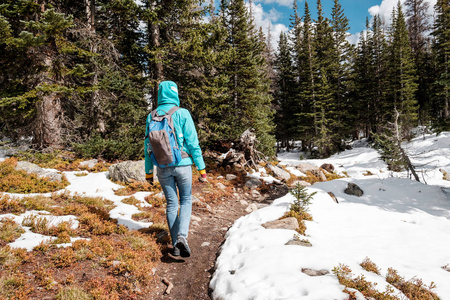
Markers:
point(441, 48)
point(249, 84)
point(285, 94)
point(418, 28)
point(307, 67)
point(403, 85)
point(324, 108)
point(340, 71)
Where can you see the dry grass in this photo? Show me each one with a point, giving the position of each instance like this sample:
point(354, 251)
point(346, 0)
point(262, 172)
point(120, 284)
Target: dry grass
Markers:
point(370, 266)
point(413, 289)
point(19, 181)
point(9, 230)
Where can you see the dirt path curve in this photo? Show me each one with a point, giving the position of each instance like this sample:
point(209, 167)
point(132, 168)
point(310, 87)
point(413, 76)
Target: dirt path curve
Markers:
point(191, 276)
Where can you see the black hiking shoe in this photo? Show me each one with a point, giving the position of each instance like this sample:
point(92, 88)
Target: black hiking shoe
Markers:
point(183, 246)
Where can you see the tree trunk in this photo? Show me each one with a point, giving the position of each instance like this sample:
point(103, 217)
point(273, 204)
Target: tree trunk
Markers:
point(48, 124)
point(90, 14)
point(157, 65)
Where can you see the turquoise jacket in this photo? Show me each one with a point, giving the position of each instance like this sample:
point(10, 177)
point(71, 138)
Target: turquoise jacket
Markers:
point(184, 127)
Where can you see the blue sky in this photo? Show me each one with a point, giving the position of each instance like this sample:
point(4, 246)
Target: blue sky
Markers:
point(277, 13)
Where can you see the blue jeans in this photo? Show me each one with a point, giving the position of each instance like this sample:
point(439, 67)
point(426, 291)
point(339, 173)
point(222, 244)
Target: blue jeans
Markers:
point(170, 179)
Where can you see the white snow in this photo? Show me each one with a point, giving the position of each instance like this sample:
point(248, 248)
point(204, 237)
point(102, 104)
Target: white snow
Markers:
point(398, 223)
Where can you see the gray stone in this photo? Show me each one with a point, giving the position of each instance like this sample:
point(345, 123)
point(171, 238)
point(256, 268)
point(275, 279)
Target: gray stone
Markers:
point(311, 272)
point(353, 189)
point(256, 194)
point(243, 202)
point(220, 186)
point(328, 167)
point(128, 171)
point(279, 172)
point(33, 168)
point(298, 242)
point(251, 208)
point(306, 167)
point(90, 164)
point(230, 177)
point(288, 223)
point(253, 183)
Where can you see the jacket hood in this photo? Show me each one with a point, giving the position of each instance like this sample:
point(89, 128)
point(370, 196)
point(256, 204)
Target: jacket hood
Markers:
point(168, 93)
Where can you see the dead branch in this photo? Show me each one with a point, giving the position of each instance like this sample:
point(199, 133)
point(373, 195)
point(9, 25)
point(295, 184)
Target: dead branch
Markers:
point(169, 285)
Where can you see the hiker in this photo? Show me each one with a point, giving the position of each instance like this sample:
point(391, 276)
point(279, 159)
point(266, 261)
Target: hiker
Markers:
point(175, 175)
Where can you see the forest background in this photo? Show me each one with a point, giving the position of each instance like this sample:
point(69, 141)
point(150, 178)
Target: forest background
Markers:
point(83, 74)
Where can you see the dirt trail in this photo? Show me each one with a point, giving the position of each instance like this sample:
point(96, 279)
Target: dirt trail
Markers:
point(191, 276)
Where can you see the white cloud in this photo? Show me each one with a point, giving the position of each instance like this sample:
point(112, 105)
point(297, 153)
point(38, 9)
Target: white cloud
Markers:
point(264, 19)
point(386, 7)
point(287, 3)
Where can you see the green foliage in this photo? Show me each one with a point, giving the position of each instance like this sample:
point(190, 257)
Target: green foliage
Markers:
point(302, 198)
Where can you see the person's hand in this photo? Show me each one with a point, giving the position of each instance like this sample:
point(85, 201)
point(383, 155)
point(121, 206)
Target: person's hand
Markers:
point(149, 178)
point(202, 177)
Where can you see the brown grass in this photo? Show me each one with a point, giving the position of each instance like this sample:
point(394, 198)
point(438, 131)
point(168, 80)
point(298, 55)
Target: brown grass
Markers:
point(19, 181)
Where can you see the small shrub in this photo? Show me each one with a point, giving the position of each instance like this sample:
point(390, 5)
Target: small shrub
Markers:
point(37, 224)
point(368, 173)
point(136, 186)
point(155, 201)
point(63, 258)
point(414, 288)
point(72, 293)
point(9, 230)
point(44, 277)
point(14, 286)
point(302, 198)
point(131, 201)
point(19, 181)
point(370, 266)
point(81, 174)
point(10, 259)
point(367, 288)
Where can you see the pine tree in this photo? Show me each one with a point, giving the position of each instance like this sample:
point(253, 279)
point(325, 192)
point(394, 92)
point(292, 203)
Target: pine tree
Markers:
point(249, 84)
point(418, 28)
point(340, 70)
point(307, 81)
point(285, 92)
point(441, 48)
point(403, 85)
point(324, 109)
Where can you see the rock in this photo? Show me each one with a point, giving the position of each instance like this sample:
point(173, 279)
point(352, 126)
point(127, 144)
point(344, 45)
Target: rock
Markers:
point(279, 172)
point(333, 197)
point(256, 194)
point(162, 236)
point(195, 218)
point(322, 176)
point(305, 167)
point(301, 182)
point(253, 183)
point(328, 167)
point(288, 223)
point(243, 202)
point(205, 244)
point(311, 272)
point(90, 164)
point(33, 168)
point(298, 242)
point(251, 208)
point(230, 177)
point(220, 186)
point(128, 171)
point(353, 189)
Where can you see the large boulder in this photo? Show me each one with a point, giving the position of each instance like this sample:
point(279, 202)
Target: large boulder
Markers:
point(328, 167)
point(279, 172)
point(316, 171)
point(33, 168)
point(128, 171)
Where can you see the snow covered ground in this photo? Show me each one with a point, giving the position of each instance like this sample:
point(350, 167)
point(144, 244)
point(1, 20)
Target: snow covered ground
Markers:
point(398, 223)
